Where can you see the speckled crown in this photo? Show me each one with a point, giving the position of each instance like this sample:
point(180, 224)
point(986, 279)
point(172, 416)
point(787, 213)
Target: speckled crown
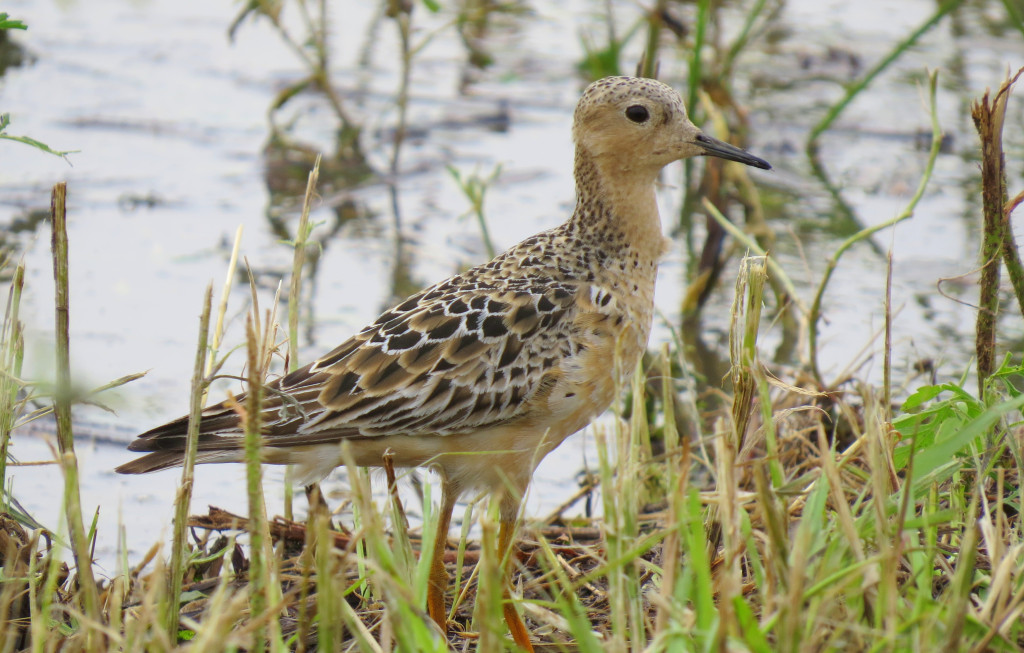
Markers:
point(611, 90)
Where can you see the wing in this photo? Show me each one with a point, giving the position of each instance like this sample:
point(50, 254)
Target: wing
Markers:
point(464, 354)
point(443, 362)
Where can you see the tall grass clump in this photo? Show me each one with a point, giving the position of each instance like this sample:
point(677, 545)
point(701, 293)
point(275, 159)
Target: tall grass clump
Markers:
point(12, 355)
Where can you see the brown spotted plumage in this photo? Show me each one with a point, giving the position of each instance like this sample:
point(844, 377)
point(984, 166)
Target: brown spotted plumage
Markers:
point(483, 374)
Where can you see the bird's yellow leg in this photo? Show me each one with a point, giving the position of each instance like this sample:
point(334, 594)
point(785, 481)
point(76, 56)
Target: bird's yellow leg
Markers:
point(506, 534)
point(438, 574)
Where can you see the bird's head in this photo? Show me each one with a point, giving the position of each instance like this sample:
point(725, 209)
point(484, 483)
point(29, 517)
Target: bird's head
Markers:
point(640, 125)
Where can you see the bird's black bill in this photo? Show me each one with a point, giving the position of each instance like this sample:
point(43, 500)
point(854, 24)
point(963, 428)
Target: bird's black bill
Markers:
point(721, 149)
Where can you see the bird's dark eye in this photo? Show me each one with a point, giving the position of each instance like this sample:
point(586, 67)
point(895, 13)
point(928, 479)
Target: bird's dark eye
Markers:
point(637, 114)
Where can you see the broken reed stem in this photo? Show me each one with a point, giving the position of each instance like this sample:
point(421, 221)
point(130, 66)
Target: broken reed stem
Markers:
point(744, 324)
point(996, 233)
point(62, 412)
point(258, 563)
point(183, 501)
point(988, 121)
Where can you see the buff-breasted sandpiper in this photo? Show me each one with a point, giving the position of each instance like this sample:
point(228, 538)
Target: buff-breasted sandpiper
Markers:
point(483, 374)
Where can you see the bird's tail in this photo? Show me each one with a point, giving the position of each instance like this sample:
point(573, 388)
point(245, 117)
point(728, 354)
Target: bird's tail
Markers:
point(219, 441)
point(153, 462)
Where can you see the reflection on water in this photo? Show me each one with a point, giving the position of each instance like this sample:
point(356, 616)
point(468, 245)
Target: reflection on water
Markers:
point(23, 224)
point(12, 54)
point(287, 164)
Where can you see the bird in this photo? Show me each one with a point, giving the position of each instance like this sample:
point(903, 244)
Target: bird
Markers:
point(481, 375)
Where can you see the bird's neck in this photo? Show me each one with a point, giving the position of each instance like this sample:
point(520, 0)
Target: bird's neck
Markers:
point(616, 207)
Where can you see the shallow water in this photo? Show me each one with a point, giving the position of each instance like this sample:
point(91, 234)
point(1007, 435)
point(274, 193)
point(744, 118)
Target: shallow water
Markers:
point(170, 121)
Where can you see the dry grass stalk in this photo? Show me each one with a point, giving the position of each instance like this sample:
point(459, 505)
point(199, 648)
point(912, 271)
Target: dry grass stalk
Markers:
point(183, 500)
point(302, 233)
point(260, 572)
point(62, 410)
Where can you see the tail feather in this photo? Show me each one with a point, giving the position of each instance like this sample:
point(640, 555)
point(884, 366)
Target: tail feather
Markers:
point(167, 442)
point(284, 416)
point(152, 462)
point(158, 460)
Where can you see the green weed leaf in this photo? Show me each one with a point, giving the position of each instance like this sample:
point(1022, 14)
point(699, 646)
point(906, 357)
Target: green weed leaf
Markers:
point(6, 23)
